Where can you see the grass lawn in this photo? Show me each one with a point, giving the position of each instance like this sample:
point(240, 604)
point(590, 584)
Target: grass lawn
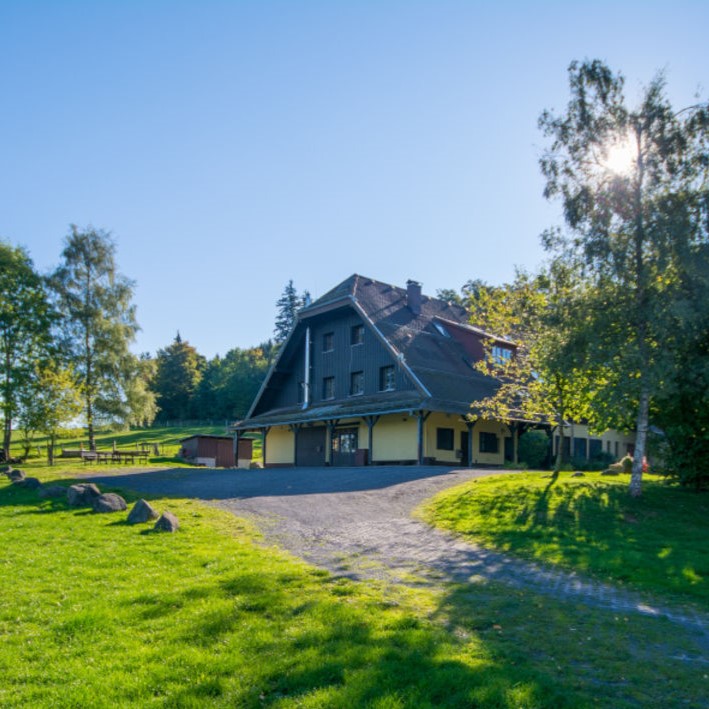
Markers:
point(167, 438)
point(657, 543)
point(97, 613)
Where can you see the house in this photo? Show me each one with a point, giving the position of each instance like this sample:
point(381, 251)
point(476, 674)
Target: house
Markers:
point(376, 374)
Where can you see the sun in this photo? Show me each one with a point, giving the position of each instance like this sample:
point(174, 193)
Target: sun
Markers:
point(621, 157)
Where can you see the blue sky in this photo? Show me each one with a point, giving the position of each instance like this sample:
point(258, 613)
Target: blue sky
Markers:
point(231, 146)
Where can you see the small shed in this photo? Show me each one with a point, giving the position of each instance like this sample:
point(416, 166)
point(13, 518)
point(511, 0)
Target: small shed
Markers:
point(211, 451)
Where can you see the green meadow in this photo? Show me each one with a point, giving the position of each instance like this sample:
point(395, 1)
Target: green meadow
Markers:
point(97, 613)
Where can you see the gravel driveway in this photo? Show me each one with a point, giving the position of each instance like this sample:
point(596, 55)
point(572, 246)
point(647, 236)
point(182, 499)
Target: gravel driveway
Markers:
point(357, 522)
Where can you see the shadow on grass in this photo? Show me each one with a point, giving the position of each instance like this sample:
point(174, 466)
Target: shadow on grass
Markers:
point(611, 660)
point(336, 650)
point(654, 542)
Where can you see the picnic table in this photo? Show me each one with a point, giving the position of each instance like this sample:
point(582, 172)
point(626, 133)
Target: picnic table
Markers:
point(116, 456)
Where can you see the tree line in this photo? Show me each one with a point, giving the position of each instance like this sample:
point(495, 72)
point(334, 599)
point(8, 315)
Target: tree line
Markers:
point(65, 354)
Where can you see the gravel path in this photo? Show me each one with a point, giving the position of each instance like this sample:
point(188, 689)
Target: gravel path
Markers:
point(357, 522)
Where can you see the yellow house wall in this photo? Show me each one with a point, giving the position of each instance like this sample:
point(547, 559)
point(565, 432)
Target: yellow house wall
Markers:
point(280, 446)
point(438, 420)
point(500, 430)
point(395, 438)
point(578, 430)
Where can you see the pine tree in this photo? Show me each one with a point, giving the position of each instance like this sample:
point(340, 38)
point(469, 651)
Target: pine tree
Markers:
point(288, 306)
point(178, 374)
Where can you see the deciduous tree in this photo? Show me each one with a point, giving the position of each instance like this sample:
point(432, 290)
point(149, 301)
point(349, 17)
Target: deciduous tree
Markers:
point(25, 331)
point(99, 323)
point(54, 401)
point(539, 376)
point(633, 186)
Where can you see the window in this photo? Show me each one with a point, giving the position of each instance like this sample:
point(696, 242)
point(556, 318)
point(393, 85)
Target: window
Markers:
point(489, 443)
point(387, 379)
point(356, 383)
point(441, 329)
point(580, 448)
point(328, 388)
point(500, 354)
point(328, 342)
point(357, 335)
point(595, 449)
point(444, 439)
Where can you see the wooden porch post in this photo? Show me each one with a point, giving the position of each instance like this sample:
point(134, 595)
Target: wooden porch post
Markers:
point(295, 427)
point(330, 425)
point(421, 416)
point(469, 453)
point(371, 422)
point(235, 449)
point(264, 433)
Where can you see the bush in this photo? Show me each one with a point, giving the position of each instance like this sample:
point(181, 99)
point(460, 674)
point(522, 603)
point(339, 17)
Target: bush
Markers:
point(626, 465)
point(602, 460)
point(534, 448)
point(510, 465)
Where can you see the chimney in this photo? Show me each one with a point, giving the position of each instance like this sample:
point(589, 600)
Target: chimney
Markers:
point(413, 296)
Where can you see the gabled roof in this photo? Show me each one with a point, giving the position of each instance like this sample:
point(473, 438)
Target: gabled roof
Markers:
point(436, 347)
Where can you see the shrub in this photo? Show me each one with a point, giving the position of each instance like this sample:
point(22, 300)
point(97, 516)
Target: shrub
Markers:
point(602, 460)
point(626, 465)
point(534, 448)
point(516, 466)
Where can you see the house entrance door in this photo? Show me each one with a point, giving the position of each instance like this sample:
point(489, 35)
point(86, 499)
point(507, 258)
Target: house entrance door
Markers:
point(311, 446)
point(344, 446)
point(464, 443)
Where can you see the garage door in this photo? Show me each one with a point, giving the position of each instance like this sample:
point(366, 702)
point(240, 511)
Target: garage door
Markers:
point(311, 446)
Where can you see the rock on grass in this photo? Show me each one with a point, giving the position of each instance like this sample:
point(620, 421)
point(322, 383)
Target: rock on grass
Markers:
point(48, 491)
point(142, 512)
point(167, 523)
point(82, 494)
point(109, 502)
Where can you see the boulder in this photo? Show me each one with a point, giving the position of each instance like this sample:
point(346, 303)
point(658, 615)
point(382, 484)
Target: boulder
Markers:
point(109, 502)
point(167, 523)
point(578, 474)
point(48, 491)
point(31, 483)
point(82, 494)
point(142, 512)
point(16, 476)
point(610, 471)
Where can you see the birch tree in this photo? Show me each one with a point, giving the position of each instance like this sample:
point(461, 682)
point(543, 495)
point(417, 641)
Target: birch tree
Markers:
point(99, 324)
point(633, 186)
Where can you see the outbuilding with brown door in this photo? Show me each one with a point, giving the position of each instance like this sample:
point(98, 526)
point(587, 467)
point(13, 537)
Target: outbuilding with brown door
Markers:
point(211, 451)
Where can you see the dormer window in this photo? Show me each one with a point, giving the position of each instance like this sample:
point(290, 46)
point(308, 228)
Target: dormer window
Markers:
point(357, 335)
point(501, 355)
point(442, 330)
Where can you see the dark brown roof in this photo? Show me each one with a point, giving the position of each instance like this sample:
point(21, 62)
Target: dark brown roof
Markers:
point(437, 357)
